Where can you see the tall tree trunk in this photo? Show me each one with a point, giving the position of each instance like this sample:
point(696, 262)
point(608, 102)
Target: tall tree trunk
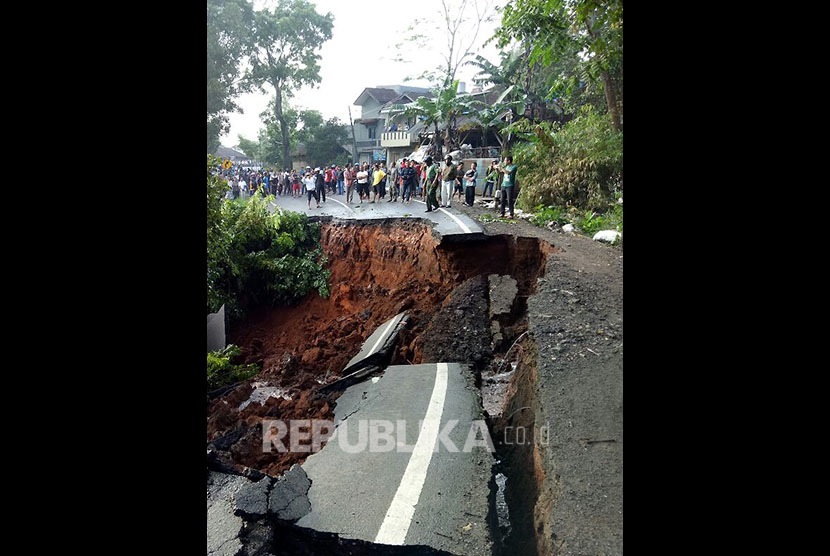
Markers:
point(611, 100)
point(608, 85)
point(528, 77)
point(286, 139)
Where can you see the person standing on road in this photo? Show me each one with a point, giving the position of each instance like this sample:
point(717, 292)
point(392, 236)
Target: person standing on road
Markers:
point(448, 175)
point(404, 165)
point(508, 185)
point(470, 177)
point(340, 180)
point(310, 181)
point(328, 174)
point(377, 176)
point(490, 179)
point(458, 186)
point(392, 180)
point(348, 178)
point(431, 184)
point(383, 180)
point(321, 184)
point(408, 177)
point(362, 180)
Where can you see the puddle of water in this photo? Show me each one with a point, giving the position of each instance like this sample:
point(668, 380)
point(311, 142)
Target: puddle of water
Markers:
point(262, 392)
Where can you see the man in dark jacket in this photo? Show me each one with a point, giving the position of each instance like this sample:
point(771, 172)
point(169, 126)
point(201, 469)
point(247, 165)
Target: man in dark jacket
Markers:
point(321, 184)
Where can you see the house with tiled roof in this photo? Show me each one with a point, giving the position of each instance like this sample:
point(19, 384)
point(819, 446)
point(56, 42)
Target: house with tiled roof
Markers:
point(373, 139)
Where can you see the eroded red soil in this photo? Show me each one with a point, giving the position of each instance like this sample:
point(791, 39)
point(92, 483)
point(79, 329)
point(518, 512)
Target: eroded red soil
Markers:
point(378, 270)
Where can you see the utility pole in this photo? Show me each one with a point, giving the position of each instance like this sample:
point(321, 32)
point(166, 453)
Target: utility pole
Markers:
point(354, 140)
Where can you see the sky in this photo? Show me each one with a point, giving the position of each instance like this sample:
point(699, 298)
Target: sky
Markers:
point(361, 53)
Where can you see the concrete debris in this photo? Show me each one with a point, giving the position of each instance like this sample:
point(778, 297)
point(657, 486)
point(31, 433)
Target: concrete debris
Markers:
point(607, 236)
point(288, 500)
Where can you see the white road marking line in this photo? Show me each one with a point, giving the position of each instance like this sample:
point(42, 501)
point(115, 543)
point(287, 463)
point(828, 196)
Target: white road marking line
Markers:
point(381, 337)
point(461, 224)
point(454, 217)
point(399, 515)
point(343, 204)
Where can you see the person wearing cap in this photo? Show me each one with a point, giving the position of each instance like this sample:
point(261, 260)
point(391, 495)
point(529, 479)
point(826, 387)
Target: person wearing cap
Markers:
point(448, 175)
point(431, 184)
point(310, 183)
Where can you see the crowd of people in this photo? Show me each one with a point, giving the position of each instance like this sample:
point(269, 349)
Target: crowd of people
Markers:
point(428, 181)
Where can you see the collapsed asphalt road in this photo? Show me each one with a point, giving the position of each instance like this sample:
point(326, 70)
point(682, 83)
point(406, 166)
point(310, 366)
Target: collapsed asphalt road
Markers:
point(407, 461)
point(410, 463)
point(564, 375)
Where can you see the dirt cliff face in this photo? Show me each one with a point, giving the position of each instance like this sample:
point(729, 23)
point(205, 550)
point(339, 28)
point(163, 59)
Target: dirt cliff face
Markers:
point(378, 270)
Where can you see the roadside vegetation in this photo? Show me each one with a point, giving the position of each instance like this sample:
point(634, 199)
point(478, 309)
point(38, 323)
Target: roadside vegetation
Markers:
point(222, 368)
point(255, 257)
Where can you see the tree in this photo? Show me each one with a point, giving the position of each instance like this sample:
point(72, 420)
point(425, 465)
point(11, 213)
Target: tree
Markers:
point(586, 32)
point(284, 46)
point(443, 108)
point(249, 148)
point(531, 86)
point(308, 122)
point(270, 136)
point(326, 144)
point(462, 20)
point(487, 116)
point(227, 25)
point(462, 34)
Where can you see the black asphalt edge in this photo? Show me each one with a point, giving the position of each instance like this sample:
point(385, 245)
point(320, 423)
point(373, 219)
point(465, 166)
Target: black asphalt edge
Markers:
point(370, 365)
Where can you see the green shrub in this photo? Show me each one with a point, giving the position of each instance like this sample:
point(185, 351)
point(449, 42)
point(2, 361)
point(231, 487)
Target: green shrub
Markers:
point(543, 215)
point(221, 371)
point(256, 257)
point(578, 164)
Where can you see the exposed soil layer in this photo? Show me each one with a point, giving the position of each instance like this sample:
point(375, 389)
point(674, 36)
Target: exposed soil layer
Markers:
point(378, 270)
point(550, 366)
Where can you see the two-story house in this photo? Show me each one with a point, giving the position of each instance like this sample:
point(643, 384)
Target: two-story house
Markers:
point(376, 139)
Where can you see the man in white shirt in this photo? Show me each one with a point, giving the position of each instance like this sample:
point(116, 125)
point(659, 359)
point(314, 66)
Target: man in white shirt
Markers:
point(310, 181)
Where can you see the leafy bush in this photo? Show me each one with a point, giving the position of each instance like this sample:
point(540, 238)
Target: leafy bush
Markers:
point(543, 215)
point(221, 371)
point(586, 222)
point(578, 164)
point(591, 222)
point(257, 258)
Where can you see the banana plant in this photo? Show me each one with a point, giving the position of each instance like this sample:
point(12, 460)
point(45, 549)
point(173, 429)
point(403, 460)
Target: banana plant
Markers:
point(441, 111)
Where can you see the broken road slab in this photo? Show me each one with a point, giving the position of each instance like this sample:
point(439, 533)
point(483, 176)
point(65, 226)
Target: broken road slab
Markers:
point(409, 463)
